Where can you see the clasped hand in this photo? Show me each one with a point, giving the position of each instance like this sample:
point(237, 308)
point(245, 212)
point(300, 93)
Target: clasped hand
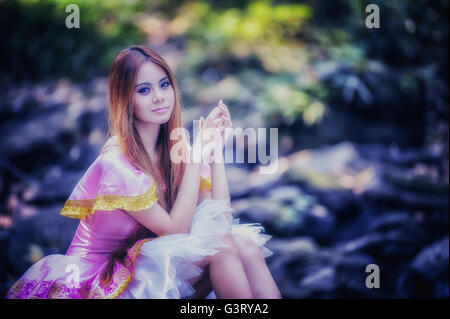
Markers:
point(213, 135)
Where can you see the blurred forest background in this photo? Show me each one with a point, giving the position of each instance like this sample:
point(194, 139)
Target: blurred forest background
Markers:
point(362, 117)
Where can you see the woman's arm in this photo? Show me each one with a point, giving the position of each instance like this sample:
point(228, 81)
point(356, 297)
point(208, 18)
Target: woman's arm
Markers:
point(219, 117)
point(179, 221)
point(219, 184)
point(218, 176)
point(180, 218)
point(158, 220)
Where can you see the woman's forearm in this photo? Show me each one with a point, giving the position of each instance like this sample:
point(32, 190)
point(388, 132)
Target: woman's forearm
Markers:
point(219, 187)
point(183, 209)
point(219, 183)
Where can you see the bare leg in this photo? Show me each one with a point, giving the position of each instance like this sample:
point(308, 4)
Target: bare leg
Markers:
point(224, 272)
point(227, 273)
point(261, 281)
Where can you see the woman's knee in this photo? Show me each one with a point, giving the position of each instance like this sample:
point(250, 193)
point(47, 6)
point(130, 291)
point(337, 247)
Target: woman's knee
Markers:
point(248, 250)
point(228, 248)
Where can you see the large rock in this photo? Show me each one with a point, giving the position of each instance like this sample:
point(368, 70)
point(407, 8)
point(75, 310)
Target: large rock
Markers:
point(303, 270)
point(344, 180)
point(427, 276)
point(335, 175)
point(396, 245)
point(287, 212)
point(42, 234)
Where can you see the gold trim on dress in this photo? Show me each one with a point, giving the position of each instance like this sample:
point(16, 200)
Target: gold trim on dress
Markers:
point(124, 284)
point(121, 278)
point(85, 207)
point(205, 183)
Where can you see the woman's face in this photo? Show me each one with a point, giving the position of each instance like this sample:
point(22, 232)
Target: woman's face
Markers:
point(154, 97)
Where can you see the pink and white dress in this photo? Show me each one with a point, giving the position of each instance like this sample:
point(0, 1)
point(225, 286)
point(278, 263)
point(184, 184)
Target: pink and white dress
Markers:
point(156, 267)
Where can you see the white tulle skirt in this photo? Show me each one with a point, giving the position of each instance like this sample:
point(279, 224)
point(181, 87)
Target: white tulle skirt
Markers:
point(165, 264)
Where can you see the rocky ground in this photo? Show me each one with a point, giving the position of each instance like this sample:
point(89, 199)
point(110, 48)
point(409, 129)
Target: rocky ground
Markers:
point(332, 210)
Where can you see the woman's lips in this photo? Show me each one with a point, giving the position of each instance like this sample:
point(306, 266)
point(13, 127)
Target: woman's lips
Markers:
point(161, 110)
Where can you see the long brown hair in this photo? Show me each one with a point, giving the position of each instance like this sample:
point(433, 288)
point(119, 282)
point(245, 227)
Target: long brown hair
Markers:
point(122, 79)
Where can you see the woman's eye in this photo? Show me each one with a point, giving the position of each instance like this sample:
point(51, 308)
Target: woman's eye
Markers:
point(165, 84)
point(144, 90)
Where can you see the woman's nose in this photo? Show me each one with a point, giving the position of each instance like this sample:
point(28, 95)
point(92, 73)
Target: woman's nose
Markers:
point(158, 96)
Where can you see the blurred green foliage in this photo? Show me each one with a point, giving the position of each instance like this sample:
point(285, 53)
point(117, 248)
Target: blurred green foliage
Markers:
point(295, 63)
point(38, 45)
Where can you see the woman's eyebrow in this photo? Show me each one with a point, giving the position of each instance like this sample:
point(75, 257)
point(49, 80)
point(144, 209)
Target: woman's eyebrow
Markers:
point(150, 83)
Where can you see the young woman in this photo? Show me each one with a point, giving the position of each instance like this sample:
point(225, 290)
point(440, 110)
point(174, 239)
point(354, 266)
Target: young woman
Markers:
point(151, 226)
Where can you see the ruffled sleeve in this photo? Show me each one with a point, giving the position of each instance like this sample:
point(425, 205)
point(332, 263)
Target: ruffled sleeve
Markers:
point(110, 183)
point(205, 177)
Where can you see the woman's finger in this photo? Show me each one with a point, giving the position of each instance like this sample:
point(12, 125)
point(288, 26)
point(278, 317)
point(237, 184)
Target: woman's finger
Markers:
point(227, 122)
point(216, 111)
point(215, 114)
point(225, 118)
point(221, 104)
point(224, 107)
point(218, 121)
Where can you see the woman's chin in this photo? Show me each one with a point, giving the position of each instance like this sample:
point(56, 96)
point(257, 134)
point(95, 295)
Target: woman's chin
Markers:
point(164, 119)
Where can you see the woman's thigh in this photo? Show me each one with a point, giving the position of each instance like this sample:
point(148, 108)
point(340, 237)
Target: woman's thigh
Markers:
point(248, 249)
point(229, 247)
